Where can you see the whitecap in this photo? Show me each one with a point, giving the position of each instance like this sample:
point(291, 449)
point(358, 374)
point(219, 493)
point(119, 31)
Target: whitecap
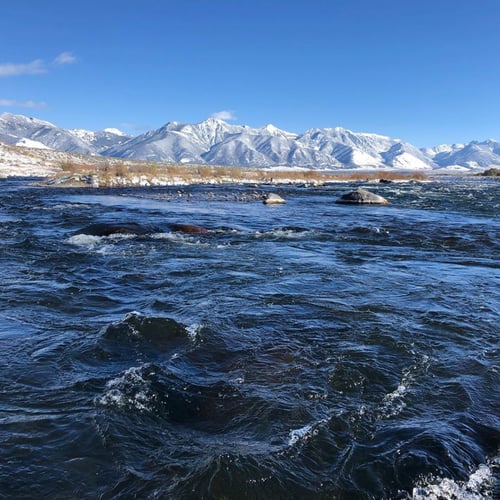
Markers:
point(283, 234)
point(182, 238)
point(193, 331)
point(394, 402)
point(305, 433)
point(130, 389)
point(480, 485)
point(103, 245)
point(84, 240)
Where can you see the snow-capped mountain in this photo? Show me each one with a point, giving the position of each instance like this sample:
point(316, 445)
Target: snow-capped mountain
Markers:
point(101, 140)
point(176, 142)
point(19, 129)
point(216, 142)
point(472, 156)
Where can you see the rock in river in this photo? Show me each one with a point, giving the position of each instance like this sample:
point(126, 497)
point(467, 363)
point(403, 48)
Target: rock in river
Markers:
point(362, 196)
point(104, 229)
point(188, 228)
point(273, 199)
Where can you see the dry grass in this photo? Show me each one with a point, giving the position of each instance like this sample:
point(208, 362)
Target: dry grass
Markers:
point(114, 172)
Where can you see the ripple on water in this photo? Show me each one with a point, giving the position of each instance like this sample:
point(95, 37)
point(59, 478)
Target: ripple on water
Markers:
point(313, 351)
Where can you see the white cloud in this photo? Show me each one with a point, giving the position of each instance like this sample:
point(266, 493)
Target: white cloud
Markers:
point(35, 67)
point(9, 103)
point(225, 114)
point(64, 58)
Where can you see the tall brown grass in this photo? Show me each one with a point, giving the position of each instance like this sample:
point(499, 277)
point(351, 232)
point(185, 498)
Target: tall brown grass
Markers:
point(118, 172)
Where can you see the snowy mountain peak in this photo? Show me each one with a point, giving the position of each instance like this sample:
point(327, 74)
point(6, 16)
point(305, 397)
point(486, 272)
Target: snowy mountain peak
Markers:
point(272, 130)
point(214, 141)
point(214, 121)
point(21, 119)
point(81, 133)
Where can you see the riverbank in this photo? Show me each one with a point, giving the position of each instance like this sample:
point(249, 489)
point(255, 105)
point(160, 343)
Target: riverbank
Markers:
point(65, 169)
point(122, 174)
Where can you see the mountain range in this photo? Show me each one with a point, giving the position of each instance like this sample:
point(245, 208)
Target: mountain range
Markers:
point(216, 142)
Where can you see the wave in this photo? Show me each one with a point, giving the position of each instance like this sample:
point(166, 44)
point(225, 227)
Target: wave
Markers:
point(479, 485)
point(155, 389)
point(304, 434)
point(284, 233)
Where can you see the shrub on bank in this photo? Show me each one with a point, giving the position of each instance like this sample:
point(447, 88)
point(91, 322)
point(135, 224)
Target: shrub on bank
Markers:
point(113, 172)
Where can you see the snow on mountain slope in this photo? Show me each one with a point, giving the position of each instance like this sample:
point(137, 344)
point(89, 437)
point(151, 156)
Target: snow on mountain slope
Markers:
point(24, 162)
point(475, 155)
point(262, 147)
point(16, 127)
point(442, 148)
point(216, 142)
point(169, 143)
point(350, 149)
point(405, 156)
point(28, 143)
point(101, 140)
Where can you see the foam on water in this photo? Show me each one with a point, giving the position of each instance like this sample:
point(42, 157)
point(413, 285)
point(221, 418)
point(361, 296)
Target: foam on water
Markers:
point(130, 389)
point(85, 240)
point(394, 402)
point(284, 233)
point(100, 244)
point(193, 331)
point(180, 238)
point(479, 486)
point(304, 434)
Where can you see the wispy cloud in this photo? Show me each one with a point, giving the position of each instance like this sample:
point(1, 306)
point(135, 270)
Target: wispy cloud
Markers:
point(65, 58)
point(9, 103)
point(35, 67)
point(225, 114)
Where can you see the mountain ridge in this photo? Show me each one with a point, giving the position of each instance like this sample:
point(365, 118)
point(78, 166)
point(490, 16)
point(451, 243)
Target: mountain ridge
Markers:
point(216, 142)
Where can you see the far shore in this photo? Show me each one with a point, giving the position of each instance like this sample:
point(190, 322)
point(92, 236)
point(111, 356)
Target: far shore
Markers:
point(111, 174)
point(64, 169)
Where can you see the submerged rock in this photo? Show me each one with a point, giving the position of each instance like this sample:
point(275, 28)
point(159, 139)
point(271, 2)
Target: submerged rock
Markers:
point(188, 228)
point(273, 199)
point(107, 229)
point(104, 229)
point(362, 196)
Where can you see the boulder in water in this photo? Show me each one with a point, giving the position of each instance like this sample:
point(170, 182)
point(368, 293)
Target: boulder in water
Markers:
point(273, 199)
point(362, 196)
point(105, 229)
point(188, 228)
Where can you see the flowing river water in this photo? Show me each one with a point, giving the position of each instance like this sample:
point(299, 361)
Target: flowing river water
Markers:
point(304, 351)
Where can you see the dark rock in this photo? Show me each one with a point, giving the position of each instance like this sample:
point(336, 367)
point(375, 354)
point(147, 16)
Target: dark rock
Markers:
point(188, 228)
point(105, 229)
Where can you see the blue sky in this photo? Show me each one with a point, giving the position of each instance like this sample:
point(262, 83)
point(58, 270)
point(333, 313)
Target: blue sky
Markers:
point(425, 71)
